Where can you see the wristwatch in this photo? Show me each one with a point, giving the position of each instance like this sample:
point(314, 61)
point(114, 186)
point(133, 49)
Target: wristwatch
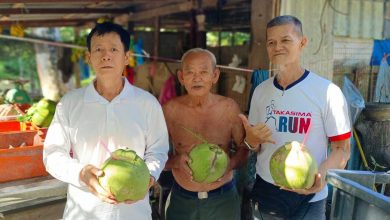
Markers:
point(249, 146)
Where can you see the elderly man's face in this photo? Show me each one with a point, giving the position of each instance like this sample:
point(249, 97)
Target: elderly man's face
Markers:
point(198, 74)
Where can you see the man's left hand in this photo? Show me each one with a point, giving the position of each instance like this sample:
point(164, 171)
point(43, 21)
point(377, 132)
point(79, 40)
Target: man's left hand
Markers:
point(226, 175)
point(151, 183)
point(319, 183)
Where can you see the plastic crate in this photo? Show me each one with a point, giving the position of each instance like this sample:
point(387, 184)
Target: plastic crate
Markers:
point(24, 159)
point(21, 163)
point(353, 195)
point(9, 125)
point(17, 138)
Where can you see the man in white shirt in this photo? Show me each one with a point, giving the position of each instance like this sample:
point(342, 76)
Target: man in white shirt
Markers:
point(303, 106)
point(91, 122)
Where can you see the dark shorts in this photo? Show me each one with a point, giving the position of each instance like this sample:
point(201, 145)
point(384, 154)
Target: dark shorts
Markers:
point(309, 211)
point(281, 203)
point(221, 203)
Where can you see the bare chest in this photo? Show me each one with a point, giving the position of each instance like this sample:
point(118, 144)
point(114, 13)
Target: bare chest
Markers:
point(189, 129)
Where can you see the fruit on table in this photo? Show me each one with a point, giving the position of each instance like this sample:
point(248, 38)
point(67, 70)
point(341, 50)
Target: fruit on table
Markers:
point(43, 113)
point(126, 175)
point(292, 166)
point(40, 114)
point(17, 95)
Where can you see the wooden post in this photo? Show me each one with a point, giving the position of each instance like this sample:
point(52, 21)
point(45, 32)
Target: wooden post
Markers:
point(76, 66)
point(200, 29)
point(193, 29)
point(262, 11)
point(130, 28)
point(219, 20)
point(156, 36)
point(201, 39)
point(197, 34)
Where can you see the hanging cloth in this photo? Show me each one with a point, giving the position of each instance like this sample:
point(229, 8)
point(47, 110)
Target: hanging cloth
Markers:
point(258, 76)
point(380, 47)
point(153, 84)
point(84, 69)
point(138, 50)
point(382, 88)
point(129, 73)
point(168, 91)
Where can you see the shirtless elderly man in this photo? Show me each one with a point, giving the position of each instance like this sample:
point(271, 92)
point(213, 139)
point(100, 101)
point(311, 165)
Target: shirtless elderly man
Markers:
point(215, 118)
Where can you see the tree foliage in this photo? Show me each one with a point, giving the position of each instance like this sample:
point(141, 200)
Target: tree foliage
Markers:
point(16, 58)
point(227, 38)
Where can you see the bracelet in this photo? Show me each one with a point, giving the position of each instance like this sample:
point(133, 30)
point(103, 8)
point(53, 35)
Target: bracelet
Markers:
point(249, 146)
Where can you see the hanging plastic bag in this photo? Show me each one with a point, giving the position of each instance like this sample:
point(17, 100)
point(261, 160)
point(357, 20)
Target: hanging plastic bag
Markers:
point(354, 99)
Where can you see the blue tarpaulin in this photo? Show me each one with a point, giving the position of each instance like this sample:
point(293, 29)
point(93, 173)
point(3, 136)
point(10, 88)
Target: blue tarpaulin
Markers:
point(381, 47)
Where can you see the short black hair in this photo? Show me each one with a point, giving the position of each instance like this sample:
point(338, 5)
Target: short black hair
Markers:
point(286, 19)
point(108, 27)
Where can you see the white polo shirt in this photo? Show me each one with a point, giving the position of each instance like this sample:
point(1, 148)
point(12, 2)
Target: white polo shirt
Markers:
point(83, 119)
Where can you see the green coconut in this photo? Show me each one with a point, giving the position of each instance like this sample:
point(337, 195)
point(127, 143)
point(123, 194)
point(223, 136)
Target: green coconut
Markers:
point(208, 162)
point(126, 175)
point(293, 166)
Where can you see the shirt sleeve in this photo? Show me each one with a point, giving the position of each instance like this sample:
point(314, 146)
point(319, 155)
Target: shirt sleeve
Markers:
point(157, 145)
point(337, 122)
point(56, 150)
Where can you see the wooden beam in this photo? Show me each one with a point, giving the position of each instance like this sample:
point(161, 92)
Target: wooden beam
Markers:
point(42, 41)
point(9, 11)
point(71, 1)
point(49, 23)
point(171, 9)
point(164, 10)
point(206, 4)
point(182, 25)
point(262, 11)
point(156, 41)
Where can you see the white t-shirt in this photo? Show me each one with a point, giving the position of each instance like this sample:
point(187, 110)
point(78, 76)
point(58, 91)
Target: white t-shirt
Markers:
point(83, 119)
point(310, 100)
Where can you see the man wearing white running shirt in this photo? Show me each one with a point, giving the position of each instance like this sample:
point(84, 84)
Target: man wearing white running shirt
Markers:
point(291, 106)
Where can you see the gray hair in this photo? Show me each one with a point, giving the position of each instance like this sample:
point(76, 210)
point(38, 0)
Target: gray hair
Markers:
point(286, 19)
point(198, 50)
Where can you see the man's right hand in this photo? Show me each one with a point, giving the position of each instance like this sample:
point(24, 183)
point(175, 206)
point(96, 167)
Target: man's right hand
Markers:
point(89, 175)
point(256, 135)
point(181, 162)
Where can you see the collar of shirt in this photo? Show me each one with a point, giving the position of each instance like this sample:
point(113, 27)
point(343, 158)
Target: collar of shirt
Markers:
point(91, 95)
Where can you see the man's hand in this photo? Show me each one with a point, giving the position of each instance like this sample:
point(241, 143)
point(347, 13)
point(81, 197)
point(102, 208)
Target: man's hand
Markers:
point(319, 183)
point(226, 175)
point(89, 175)
point(151, 183)
point(181, 162)
point(256, 135)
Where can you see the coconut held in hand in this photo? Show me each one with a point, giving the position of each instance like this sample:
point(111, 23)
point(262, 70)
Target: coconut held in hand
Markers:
point(293, 166)
point(208, 162)
point(126, 176)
